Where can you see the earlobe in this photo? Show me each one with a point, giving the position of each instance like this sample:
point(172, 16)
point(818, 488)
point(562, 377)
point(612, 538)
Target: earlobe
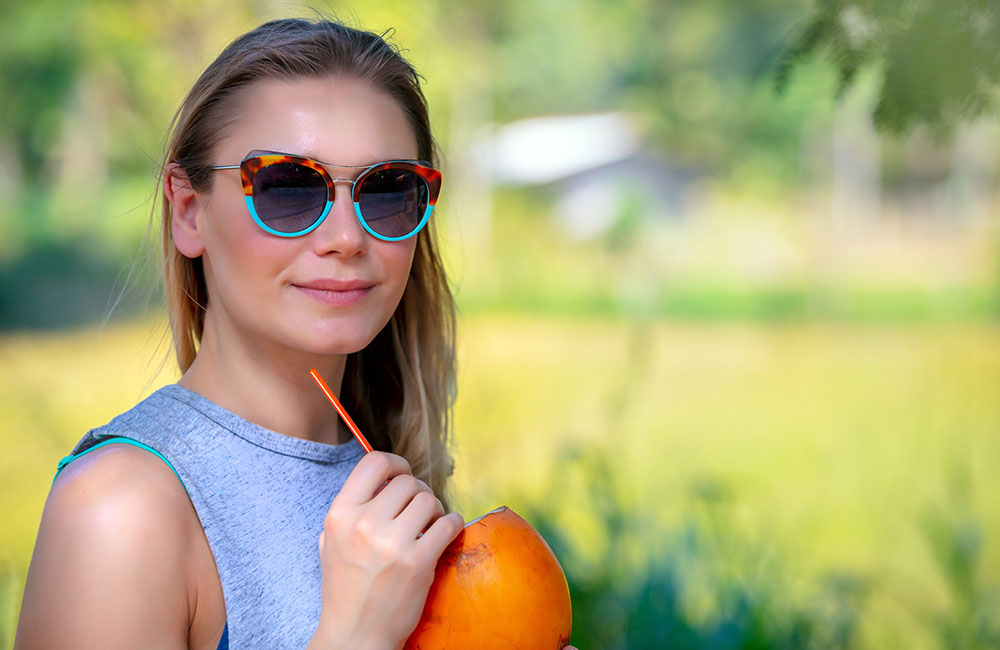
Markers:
point(184, 211)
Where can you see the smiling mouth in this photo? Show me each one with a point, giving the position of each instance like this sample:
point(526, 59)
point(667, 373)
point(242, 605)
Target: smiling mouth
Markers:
point(335, 296)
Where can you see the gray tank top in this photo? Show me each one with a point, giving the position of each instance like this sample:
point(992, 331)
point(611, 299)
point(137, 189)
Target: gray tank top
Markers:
point(261, 497)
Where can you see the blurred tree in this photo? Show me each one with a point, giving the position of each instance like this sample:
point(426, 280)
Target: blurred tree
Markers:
point(695, 74)
point(939, 61)
point(41, 61)
point(86, 92)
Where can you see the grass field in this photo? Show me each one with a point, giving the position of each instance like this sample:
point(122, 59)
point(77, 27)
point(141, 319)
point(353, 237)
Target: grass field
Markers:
point(866, 451)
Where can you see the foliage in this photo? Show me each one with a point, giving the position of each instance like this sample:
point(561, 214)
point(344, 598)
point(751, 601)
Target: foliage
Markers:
point(701, 586)
point(939, 61)
point(718, 477)
point(633, 268)
point(956, 539)
point(60, 284)
point(704, 584)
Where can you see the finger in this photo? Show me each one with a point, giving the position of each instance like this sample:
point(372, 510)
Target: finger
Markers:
point(397, 495)
point(419, 514)
point(368, 476)
point(439, 535)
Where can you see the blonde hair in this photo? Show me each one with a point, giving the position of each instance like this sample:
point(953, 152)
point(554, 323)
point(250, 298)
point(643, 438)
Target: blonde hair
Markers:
point(401, 387)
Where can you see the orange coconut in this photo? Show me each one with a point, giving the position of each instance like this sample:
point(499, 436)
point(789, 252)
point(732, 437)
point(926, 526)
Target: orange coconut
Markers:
point(497, 586)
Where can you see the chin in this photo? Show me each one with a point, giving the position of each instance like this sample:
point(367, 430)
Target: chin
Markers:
point(339, 340)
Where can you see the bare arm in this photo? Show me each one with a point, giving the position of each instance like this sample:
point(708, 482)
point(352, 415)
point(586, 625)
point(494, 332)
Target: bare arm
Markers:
point(107, 570)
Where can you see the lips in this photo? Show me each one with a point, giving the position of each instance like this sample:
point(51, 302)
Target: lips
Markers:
point(336, 292)
point(335, 285)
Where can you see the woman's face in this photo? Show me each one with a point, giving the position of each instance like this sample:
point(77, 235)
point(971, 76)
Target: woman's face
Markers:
point(283, 291)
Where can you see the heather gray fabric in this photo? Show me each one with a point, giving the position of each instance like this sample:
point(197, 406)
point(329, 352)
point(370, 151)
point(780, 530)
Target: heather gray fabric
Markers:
point(261, 497)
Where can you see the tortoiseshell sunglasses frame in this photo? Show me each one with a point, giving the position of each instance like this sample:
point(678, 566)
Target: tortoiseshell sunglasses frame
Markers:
point(255, 161)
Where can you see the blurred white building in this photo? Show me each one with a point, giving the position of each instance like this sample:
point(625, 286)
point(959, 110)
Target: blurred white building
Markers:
point(595, 163)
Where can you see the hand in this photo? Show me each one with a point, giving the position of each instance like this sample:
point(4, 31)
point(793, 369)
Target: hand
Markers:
point(377, 567)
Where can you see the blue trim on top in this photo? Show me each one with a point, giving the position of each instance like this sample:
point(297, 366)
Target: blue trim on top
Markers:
point(224, 641)
point(110, 441)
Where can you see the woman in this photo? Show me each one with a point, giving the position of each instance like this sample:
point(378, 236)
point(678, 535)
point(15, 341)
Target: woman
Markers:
point(296, 235)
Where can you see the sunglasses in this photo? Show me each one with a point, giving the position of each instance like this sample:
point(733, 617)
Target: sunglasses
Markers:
point(289, 196)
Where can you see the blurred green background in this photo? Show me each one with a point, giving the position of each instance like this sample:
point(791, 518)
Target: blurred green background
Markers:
point(728, 273)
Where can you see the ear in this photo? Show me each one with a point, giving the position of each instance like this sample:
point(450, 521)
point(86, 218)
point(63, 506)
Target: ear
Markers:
point(185, 211)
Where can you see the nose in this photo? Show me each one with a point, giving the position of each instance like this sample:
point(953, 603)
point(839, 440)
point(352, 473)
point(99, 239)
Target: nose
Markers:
point(340, 233)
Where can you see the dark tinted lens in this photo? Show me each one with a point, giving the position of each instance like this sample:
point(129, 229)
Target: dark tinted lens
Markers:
point(393, 201)
point(289, 197)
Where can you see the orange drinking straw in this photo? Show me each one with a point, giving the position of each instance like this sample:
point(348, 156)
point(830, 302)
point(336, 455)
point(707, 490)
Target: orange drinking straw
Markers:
point(340, 409)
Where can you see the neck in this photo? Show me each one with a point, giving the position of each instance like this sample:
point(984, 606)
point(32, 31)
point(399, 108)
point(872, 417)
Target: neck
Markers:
point(269, 386)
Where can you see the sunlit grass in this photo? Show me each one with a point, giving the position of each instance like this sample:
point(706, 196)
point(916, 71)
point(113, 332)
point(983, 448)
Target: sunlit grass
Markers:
point(830, 447)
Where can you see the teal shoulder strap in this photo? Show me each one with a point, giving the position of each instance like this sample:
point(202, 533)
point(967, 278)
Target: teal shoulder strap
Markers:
point(111, 441)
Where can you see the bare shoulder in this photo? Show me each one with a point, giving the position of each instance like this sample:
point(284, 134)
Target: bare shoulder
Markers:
point(119, 495)
point(108, 566)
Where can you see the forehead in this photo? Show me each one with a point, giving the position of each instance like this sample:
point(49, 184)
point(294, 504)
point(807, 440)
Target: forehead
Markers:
point(337, 119)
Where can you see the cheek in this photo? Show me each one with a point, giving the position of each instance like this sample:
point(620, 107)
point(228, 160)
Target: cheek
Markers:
point(399, 261)
point(237, 249)
point(228, 215)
